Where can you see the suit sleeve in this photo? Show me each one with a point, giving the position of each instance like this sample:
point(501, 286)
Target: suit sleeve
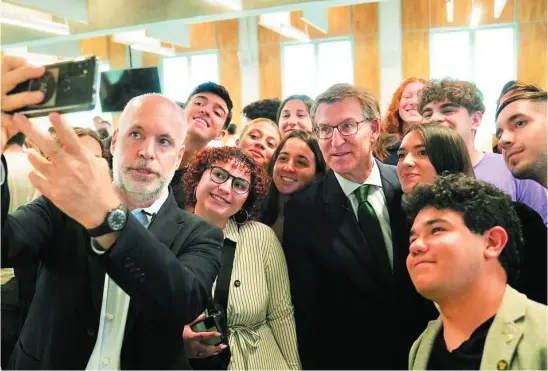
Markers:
point(303, 280)
point(176, 285)
point(27, 231)
point(280, 311)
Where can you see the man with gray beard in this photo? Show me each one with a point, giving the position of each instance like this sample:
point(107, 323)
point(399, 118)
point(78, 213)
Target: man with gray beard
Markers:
point(123, 269)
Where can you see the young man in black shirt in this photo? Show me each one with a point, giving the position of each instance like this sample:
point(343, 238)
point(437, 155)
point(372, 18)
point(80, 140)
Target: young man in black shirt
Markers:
point(464, 245)
point(208, 112)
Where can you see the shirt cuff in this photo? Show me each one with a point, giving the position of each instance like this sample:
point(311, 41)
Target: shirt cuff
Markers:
point(96, 247)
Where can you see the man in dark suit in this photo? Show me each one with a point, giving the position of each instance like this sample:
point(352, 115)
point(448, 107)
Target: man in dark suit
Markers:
point(345, 240)
point(115, 287)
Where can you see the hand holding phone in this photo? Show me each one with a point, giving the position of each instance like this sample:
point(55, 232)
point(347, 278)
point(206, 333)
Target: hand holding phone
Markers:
point(66, 87)
point(194, 340)
point(16, 70)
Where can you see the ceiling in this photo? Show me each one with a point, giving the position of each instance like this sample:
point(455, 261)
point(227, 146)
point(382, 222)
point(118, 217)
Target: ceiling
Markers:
point(106, 17)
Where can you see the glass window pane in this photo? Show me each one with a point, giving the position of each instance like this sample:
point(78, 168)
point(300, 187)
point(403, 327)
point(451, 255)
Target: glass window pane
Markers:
point(203, 68)
point(334, 64)
point(494, 65)
point(450, 55)
point(299, 70)
point(175, 72)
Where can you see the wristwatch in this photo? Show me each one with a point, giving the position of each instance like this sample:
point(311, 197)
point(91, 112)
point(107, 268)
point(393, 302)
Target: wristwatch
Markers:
point(115, 220)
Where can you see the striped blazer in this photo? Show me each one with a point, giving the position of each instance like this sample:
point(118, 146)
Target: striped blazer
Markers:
point(261, 325)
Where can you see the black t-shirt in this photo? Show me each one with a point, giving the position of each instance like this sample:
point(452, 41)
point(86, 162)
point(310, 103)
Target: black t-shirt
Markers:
point(466, 357)
point(177, 187)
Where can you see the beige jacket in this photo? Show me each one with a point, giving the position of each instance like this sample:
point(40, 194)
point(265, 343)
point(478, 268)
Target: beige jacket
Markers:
point(516, 340)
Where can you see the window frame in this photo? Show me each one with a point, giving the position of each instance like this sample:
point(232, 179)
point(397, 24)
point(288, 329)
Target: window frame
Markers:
point(315, 43)
point(189, 55)
point(472, 40)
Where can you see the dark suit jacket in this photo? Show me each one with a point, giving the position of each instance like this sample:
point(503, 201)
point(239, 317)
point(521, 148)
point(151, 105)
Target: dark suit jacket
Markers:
point(347, 315)
point(167, 270)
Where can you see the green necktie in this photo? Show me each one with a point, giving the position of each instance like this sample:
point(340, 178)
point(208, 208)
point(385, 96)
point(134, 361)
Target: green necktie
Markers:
point(371, 228)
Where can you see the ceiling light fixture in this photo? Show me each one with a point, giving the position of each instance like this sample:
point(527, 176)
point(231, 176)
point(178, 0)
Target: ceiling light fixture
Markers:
point(499, 7)
point(281, 23)
point(230, 4)
point(40, 25)
point(450, 7)
point(476, 16)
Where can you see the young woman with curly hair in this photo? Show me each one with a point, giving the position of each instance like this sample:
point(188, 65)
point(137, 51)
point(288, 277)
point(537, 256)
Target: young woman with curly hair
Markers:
point(227, 188)
point(401, 115)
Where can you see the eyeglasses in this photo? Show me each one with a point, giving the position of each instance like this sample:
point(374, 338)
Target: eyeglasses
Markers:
point(220, 176)
point(349, 127)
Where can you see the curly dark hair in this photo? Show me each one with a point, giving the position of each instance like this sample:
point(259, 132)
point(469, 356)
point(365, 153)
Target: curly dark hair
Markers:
point(260, 180)
point(264, 108)
point(481, 205)
point(462, 93)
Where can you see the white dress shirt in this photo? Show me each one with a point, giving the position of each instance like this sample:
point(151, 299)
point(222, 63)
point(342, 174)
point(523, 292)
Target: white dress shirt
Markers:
point(114, 308)
point(376, 198)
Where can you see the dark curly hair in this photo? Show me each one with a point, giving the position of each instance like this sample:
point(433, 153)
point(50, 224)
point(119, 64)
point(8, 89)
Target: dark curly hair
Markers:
point(264, 108)
point(481, 205)
point(260, 181)
point(462, 93)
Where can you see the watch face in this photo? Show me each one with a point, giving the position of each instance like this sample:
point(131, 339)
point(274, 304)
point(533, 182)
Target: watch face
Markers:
point(117, 219)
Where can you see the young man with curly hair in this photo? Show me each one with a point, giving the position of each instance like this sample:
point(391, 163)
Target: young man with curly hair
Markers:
point(459, 105)
point(464, 245)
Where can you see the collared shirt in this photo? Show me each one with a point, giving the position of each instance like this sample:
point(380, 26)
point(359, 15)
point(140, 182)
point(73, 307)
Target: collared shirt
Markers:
point(114, 309)
point(376, 198)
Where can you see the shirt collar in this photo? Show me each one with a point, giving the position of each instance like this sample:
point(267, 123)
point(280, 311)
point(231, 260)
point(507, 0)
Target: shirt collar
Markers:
point(231, 230)
point(155, 207)
point(349, 186)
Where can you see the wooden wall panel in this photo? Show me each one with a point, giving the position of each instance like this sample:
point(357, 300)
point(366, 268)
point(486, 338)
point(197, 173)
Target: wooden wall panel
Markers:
point(339, 23)
point(461, 13)
point(416, 54)
point(531, 10)
point(488, 12)
point(97, 46)
point(415, 14)
point(366, 63)
point(532, 53)
point(270, 64)
point(150, 59)
point(203, 36)
point(228, 41)
point(365, 19)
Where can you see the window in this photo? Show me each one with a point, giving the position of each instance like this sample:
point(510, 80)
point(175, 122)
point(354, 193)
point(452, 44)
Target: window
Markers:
point(81, 119)
point(485, 56)
point(182, 74)
point(311, 68)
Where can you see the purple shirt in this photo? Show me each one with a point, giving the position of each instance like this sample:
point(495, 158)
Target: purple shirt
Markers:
point(493, 169)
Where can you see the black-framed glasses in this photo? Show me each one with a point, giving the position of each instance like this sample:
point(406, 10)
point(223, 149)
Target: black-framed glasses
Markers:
point(219, 175)
point(346, 128)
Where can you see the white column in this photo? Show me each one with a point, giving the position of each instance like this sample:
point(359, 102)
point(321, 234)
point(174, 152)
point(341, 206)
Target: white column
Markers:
point(390, 50)
point(248, 54)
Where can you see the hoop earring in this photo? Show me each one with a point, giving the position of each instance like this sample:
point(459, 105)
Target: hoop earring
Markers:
point(194, 200)
point(246, 217)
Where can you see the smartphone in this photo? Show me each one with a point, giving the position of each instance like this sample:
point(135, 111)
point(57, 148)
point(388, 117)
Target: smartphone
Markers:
point(67, 86)
point(208, 324)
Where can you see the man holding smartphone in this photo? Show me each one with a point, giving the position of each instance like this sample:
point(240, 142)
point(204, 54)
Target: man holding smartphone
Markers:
point(123, 269)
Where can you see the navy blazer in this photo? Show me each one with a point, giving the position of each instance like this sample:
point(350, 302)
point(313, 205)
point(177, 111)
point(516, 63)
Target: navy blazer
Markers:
point(348, 315)
point(167, 270)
